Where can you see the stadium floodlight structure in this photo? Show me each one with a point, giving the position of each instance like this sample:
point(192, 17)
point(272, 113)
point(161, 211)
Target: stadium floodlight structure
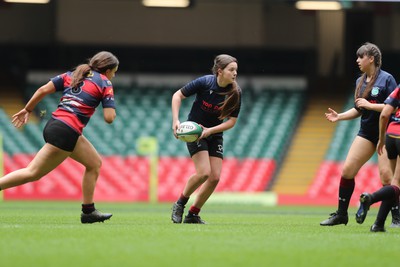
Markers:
point(334, 5)
point(28, 1)
point(167, 3)
point(318, 5)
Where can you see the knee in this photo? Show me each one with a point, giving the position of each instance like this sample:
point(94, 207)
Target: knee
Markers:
point(32, 175)
point(214, 178)
point(386, 177)
point(348, 173)
point(94, 165)
point(203, 176)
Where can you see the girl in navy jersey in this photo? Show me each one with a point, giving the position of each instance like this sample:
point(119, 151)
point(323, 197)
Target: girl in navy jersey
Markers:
point(83, 90)
point(216, 108)
point(372, 88)
point(389, 136)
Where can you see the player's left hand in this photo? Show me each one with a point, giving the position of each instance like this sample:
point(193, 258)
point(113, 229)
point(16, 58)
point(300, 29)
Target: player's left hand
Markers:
point(175, 126)
point(20, 118)
point(363, 103)
point(206, 132)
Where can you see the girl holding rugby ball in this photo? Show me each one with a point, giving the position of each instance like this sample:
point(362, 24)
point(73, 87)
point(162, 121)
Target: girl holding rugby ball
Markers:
point(216, 108)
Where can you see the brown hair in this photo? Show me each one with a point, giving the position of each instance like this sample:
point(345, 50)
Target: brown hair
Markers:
point(101, 62)
point(370, 50)
point(232, 96)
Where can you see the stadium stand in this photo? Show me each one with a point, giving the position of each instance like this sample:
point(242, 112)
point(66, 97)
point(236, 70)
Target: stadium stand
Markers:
point(254, 147)
point(324, 186)
point(310, 143)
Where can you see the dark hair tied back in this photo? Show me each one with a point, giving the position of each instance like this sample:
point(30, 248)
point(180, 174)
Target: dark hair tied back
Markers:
point(232, 96)
point(100, 62)
point(369, 50)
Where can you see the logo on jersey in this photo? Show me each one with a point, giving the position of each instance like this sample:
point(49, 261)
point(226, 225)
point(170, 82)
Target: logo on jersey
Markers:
point(77, 90)
point(375, 91)
point(211, 91)
point(208, 107)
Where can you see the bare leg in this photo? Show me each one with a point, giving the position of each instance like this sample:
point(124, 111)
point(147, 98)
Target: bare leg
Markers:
point(361, 150)
point(46, 160)
point(209, 186)
point(386, 168)
point(86, 154)
point(203, 170)
point(396, 177)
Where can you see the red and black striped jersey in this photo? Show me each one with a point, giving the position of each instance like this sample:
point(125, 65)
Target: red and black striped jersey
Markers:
point(78, 104)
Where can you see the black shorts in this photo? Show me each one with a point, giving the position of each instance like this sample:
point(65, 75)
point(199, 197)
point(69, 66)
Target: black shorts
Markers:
point(392, 146)
point(60, 135)
point(213, 144)
point(372, 137)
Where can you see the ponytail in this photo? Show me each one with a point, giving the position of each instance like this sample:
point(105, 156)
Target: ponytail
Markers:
point(101, 62)
point(232, 96)
point(370, 50)
point(80, 74)
point(231, 102)
point(370, 84)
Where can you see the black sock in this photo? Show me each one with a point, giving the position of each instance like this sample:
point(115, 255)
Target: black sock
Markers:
point(386, 192)
point(346, 189)
point(182, 200)
point(390, 196)
point(395, 210)
point(383, 212)
point(88, 208)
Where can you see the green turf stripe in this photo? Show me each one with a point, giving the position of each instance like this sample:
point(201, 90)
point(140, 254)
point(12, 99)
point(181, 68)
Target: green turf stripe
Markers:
point(262, 198)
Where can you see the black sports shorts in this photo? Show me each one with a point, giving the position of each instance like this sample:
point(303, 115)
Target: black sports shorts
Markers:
point(370, 136)
point(213, 144)
point(60, 135)
point(392, 146)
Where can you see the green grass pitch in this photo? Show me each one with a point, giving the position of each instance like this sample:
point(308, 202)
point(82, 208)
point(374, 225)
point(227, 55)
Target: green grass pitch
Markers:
point(50, 234)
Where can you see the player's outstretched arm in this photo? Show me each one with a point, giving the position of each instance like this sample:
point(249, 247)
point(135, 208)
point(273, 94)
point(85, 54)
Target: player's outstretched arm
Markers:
point(350, 114)
point(20, 118)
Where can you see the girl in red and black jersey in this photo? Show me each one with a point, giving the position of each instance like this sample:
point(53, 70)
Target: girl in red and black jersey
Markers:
point(83, 90)
point(216, 108)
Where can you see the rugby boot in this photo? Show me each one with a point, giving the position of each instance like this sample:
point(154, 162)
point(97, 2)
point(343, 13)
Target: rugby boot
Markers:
point(395, 222)
point(365, 203)
point(95, 216)
point(335, 219)
point(377, 228)
point(193, 218)
point(177, 212)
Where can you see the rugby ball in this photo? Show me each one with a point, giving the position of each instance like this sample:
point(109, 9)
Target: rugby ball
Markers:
point(189, 131)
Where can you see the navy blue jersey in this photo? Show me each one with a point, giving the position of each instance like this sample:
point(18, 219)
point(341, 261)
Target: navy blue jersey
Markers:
point(206, 107)
point(383, 87)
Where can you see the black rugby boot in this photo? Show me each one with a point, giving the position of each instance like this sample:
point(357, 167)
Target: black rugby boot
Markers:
point(193, 218)
point(335, 219)
point(177, 212)
point(376, 228)
point(365, 203)
point(95, 216)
